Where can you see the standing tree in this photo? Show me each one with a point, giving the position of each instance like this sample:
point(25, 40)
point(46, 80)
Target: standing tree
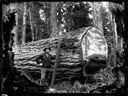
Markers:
point(97, 17)
point(7, 38)
point(16, 30)
point(31, 22)
point(53, 19)
point(24, 23)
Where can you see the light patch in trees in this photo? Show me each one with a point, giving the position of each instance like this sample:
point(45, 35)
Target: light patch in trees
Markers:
point(90, 16)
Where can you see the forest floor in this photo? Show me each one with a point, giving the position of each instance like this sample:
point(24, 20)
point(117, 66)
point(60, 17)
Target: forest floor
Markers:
point(23, 87)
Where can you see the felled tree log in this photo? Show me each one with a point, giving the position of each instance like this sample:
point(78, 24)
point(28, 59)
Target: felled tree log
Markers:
point(33, 49)
point(72, 48)
point(76, 46)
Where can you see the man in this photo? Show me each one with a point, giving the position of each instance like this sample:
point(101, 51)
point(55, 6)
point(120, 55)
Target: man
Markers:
point(46, 61)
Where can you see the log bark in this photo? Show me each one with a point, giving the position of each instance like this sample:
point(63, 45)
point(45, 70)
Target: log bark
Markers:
point(61, 72)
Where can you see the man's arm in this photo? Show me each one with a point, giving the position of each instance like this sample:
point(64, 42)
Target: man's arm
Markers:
point(39, 59)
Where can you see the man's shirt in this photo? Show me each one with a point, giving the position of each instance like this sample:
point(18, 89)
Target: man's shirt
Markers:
point(46, 60)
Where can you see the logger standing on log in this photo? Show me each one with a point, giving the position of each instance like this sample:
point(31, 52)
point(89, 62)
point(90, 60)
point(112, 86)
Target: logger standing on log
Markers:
point(46, 61)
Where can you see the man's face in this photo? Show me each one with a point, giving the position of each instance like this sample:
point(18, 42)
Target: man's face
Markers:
point(47, 50)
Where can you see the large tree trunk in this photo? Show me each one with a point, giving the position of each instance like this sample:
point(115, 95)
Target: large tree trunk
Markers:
point(24, 23)
point(53, 19)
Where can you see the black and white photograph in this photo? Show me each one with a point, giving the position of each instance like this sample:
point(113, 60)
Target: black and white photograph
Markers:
point(63, 47)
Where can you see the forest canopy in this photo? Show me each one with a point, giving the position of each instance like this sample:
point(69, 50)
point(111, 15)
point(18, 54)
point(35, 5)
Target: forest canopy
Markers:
point(41, 20)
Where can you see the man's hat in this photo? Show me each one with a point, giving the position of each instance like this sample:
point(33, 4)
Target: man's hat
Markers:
point(12, 34)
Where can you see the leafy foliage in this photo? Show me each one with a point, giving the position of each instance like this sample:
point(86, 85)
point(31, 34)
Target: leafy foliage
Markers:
point(74, 15)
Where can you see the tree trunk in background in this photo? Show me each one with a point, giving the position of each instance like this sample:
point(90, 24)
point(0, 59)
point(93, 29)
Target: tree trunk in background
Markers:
point(36, 33)
point(31, 23)
point(24, 23)
point(53, 20)
point(1, 61)
point(56, 60)
point(114, 41)
point(97, 19)
point(16, 30)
